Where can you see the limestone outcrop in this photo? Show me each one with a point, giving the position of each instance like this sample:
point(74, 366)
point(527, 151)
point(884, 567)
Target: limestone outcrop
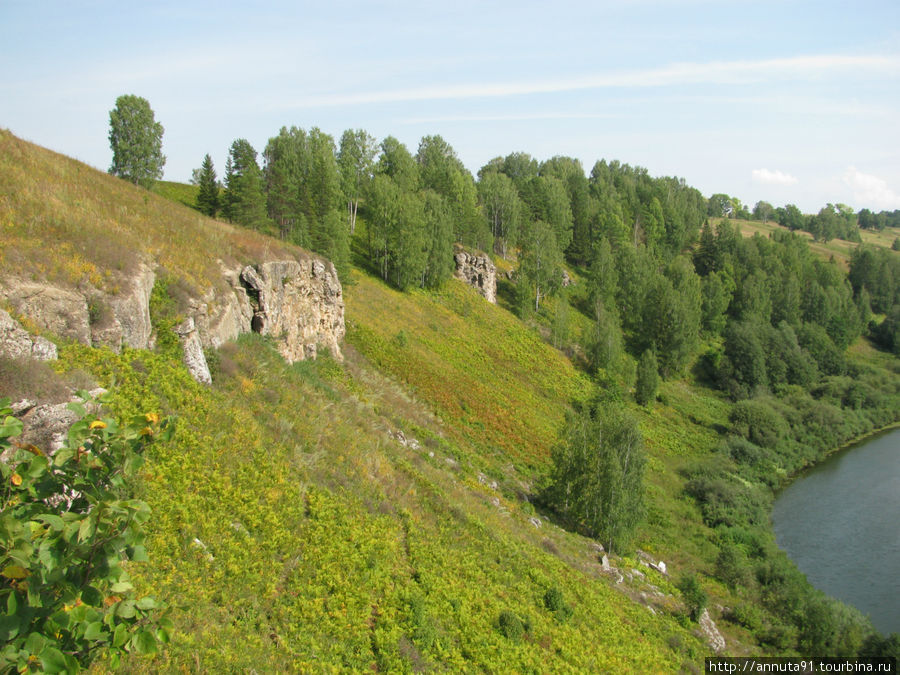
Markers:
point(89, 316)
point(17, 343)
point(477, 270)
point(299, 302)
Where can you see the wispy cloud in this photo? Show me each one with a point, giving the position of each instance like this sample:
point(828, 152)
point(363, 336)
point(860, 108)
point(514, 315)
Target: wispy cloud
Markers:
point(514, 117)
point(776, 177)
point(676, 74)
point(871, 191)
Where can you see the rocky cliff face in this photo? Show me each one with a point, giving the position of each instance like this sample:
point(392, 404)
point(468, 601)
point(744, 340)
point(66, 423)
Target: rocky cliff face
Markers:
point(298, 302)
point(478, 271)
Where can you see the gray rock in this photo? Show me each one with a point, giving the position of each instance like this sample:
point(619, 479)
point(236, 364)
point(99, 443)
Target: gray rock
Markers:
point(478, 271)
point(16, 342)
point(604, 563)
point(711, 633)
point(47, 425)
point(56, 310)
point(192, 348)
point(535, 521)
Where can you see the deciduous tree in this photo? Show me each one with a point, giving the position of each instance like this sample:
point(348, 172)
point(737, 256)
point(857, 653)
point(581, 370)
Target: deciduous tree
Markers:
point(597, 475)
point(136, 141)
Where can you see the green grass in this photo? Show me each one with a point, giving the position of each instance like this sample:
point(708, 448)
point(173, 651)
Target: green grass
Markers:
point(328, 546)
point(183, 193)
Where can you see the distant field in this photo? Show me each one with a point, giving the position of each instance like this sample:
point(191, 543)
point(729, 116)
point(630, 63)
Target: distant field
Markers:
point(838, 249)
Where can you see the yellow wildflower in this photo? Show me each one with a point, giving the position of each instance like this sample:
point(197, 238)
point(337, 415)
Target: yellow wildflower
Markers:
point(97, 424)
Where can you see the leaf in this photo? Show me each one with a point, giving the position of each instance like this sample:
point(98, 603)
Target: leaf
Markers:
point(9, 627)
point(38, 466)
point(145, 642)
point(62, 456)
point(146, 603)
point(121, 587)
point(86, 529)
point(92, 597)
point(12, 603)
point(139, 554)
point(55, 522)
point(53, 660)
point(77, 408)
point(120, 636)
point(126, 609)
point(14, 572)
point(94, 631)
point(10, 427)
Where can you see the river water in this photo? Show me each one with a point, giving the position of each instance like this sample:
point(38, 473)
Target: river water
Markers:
point(840, 523)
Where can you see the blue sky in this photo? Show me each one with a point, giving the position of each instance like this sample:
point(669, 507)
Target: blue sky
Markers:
point(787, 101)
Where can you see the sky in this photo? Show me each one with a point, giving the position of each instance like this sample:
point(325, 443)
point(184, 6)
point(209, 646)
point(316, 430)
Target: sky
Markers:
point(778, 100)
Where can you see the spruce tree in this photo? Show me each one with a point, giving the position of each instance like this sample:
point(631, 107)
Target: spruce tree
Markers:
point(208, 195)
point(245, 202)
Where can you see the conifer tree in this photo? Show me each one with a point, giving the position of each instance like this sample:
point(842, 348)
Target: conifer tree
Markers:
point(245, 202)
point(208, 194)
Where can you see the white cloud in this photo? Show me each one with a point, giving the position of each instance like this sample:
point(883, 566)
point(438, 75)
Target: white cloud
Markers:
point(870, 191)
point(773, 177)
point(675, 74)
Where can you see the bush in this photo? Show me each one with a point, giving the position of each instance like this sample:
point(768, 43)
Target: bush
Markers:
point(511, 625)
point(758, 422)
point(694, 596)
point(67, 527)
point(554, 601)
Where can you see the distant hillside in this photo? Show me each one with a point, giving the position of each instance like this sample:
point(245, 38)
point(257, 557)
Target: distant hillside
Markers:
point(838, 249)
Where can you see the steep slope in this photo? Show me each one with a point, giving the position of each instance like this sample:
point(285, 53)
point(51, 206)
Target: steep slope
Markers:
point(364, 515)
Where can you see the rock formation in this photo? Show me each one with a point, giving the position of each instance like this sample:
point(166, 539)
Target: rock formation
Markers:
point(297, 302)
point(16, 342)
point(711, 633)
point(477, 270)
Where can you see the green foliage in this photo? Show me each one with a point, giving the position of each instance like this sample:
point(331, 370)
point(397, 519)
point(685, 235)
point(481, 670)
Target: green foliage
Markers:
point(555, 602)
point(355, 160)
point(502, 208)
point(135, 138)
point(69, 527)
point(694, 596)
point(540, 264)
point(597, 475)
point(647, 378)
point(208, 193)
point(244, 201)
point(511, 626)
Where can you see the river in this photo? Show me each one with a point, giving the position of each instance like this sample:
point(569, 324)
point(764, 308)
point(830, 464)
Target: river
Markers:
point(840, 523)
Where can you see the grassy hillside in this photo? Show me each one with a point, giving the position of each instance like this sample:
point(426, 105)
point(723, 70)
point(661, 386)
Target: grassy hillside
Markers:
point(64, 222)
point(291, 530)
